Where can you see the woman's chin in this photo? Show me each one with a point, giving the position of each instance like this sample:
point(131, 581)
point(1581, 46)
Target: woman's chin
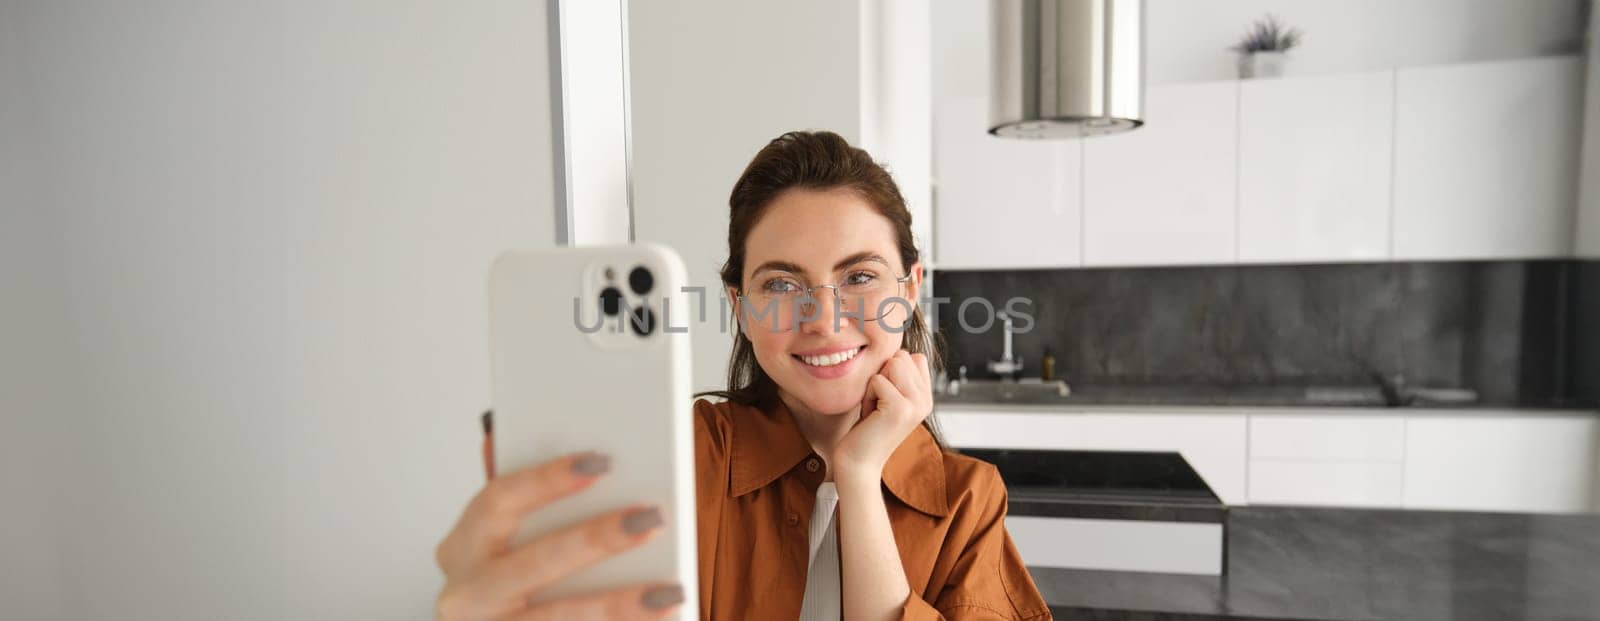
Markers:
point(833, 402)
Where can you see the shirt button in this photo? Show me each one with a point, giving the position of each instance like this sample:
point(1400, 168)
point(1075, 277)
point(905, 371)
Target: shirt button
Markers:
point(794, 520)
point(812, 465)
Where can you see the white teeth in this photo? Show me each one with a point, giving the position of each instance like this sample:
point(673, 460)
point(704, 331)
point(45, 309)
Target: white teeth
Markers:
point(831, 359)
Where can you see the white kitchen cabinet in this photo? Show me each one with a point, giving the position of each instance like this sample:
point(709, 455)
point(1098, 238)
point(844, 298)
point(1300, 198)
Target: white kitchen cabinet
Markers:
point(1315, 164)
point(1164, 194)
point(1002, 203)
point(1213, 444)
point(1513, 461)
point(1326, 484)
point(1327, 435)
point(1486, 159)
point(1453, 162)
point(1342, 457)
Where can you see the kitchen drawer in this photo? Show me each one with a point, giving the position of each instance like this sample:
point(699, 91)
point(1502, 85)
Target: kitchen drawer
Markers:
point(1119, 545)
point(1326, 483)
point(1348, 436)
point(1520, 462)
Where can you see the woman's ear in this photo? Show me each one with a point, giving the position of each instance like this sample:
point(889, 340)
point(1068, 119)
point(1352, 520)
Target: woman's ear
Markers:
point(914, 288)
point(733, 300)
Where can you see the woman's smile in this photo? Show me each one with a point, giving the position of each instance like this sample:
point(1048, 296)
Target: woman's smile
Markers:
point(829, 362)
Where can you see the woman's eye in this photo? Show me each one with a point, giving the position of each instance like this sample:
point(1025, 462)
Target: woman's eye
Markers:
point(780, 285)
point(860, 278)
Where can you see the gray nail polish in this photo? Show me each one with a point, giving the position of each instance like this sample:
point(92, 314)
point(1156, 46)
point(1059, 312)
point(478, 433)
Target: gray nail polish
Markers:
point(591, 464)
point(662, 597)
point(641, 520)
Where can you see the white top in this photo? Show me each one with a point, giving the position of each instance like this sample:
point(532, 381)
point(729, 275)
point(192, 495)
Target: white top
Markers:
point(822, 602)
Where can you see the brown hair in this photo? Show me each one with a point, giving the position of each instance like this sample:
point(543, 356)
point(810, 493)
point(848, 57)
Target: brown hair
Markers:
point(821, 161)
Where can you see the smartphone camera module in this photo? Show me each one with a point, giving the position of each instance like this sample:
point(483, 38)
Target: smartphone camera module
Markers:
point(642, 321)
point(610, 301)
point(641, 280)
point(633, 307)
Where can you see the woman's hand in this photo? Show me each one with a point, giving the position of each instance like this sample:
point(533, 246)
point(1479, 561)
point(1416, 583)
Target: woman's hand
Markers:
point(486, 578)
point(898, 398)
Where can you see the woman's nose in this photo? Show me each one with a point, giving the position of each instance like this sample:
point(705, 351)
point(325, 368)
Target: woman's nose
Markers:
point(824, 313)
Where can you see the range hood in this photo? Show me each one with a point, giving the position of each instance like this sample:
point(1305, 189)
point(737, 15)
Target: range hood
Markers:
point(1066, 68)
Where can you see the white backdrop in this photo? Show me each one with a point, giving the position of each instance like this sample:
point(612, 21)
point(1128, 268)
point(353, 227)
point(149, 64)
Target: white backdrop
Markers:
point(712, 82)
point(245, 248)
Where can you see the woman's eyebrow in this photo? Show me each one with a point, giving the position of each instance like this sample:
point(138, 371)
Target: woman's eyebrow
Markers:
point(786, 266)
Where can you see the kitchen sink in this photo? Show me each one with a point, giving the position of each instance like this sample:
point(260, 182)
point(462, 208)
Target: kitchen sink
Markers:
point(1004, 391)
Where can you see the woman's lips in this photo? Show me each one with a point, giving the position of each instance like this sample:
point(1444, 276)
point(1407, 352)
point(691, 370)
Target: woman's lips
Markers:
point(830, 372)
point(832, 349)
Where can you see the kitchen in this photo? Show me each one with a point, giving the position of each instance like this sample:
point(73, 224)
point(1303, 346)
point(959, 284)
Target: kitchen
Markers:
point(1354, 297)
point(1350, 296)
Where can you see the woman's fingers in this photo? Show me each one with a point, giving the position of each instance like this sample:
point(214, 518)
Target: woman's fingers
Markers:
point(552, 556)
point(888, 397)
point(487, 579)
point(902, 371)
point(921, 378)
point(643, 602)
point(907, 375)
point(869, 399)
point(493, 516)
point(488, 444)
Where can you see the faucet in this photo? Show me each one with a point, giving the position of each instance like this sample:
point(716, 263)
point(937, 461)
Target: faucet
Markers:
point(1006, 365)
point(952, 387)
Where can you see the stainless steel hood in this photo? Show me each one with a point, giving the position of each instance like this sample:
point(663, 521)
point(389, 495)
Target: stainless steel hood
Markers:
point(1066, 68)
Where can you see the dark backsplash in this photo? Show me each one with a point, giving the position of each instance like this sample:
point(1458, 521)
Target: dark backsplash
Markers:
point(1516, 331)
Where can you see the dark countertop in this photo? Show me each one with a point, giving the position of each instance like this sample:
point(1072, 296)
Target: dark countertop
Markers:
point(1305, 563)
point(1179, 395)
point(1114, 485)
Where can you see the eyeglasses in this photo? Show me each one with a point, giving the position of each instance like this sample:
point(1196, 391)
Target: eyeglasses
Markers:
point(868, 291)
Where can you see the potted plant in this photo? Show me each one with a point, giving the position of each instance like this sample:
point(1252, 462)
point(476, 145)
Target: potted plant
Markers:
point(1265, 47)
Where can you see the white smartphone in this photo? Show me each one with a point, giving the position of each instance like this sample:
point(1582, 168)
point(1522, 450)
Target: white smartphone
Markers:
point(590, 351)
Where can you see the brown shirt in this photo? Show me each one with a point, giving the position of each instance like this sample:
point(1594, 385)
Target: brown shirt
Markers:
point(756, 481)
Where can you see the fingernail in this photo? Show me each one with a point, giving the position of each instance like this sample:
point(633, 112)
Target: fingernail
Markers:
point(662, 597)
point(589, 464)
point(640, 520)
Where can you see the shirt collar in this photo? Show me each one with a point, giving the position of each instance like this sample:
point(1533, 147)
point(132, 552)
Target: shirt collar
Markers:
point(767, 443)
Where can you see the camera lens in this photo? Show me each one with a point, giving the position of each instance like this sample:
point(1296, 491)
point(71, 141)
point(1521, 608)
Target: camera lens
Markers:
point(610, 301)
point(641, 280)
point(643, 321)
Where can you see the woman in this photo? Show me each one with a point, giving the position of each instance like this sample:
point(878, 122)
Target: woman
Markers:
point(822, 487)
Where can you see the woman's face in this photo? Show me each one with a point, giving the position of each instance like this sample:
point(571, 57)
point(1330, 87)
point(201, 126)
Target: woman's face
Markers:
point(810, 237)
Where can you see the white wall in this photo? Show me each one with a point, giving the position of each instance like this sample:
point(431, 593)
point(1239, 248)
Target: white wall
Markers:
point(1188, 41)
point(33, 408)
point(1588, 229)
point(712, 82)
point(273, 228)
